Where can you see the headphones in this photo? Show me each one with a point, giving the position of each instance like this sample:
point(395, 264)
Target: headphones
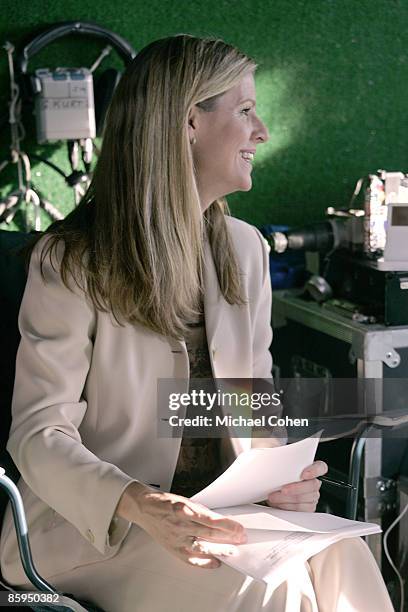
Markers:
point(104, 86)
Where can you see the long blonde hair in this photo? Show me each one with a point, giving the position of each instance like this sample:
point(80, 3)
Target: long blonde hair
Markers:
point(140, 224)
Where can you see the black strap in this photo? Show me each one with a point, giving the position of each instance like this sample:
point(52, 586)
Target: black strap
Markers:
point(122, 46)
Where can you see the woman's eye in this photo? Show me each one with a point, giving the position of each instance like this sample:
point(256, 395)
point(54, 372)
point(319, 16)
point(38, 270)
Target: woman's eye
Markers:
point(245, 110)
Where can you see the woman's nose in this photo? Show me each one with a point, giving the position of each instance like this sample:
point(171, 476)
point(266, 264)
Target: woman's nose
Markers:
point(262, 134)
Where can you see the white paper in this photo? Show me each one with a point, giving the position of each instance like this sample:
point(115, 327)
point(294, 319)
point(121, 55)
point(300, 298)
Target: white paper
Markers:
point(278, 540)
point(272, 556)
point(260, 517)
point(257, 472)
point(272, 553)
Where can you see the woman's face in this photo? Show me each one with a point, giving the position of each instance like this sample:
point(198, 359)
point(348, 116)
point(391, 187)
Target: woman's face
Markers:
point(226, 142)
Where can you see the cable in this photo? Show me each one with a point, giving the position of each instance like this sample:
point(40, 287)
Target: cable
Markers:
point(46, 161)
point(104, 53)
point(386, 534)
point(4, 164)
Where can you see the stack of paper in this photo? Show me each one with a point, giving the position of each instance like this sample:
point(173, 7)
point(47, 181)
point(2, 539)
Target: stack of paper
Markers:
point(276, 538)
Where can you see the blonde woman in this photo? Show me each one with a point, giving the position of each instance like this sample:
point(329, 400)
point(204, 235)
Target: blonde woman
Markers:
point(150, 277)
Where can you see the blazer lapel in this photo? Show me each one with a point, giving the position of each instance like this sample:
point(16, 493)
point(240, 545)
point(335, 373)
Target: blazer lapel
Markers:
point(213, 310)
point(213, 298)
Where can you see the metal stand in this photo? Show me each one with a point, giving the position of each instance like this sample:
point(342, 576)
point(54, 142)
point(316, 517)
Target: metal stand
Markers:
point(64, 603)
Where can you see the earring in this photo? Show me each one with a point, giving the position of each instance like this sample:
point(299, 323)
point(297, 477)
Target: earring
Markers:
point(193, 140)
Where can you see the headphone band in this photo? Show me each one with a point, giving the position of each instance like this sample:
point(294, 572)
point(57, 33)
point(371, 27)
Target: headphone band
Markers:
point(124, 49)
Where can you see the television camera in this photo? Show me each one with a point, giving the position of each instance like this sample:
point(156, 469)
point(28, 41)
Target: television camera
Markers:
point(363, 252)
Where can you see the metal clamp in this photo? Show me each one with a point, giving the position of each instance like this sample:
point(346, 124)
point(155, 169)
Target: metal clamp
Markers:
point(376, 347)
point(381, 496)
point(392, 359)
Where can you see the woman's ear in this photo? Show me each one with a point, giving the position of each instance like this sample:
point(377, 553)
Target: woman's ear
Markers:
point(193, 124)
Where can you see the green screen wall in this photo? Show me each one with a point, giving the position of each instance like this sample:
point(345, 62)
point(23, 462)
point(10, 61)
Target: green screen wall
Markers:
point(332, 87)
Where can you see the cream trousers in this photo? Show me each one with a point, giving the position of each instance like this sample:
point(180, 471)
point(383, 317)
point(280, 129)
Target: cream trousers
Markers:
point(144, 577)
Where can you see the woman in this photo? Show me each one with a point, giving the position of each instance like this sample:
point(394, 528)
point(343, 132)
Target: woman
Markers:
point(114, 298)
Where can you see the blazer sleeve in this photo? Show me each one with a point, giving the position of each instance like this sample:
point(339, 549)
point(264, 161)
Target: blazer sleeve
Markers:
point(53, 360)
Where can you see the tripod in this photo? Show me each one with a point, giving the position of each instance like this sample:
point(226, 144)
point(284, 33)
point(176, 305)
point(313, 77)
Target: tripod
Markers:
point(26, 195)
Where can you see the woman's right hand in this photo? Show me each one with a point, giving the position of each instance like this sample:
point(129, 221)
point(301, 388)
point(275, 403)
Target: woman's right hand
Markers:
point(179, 524)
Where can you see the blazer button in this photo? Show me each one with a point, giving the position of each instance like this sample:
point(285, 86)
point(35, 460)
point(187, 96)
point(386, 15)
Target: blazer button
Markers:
point(213, 351)
point(90, 536)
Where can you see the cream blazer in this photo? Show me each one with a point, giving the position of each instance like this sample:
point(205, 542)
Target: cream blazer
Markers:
point(84, 415)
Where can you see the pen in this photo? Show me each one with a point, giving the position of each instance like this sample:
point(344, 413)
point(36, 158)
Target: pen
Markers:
point(337, 483)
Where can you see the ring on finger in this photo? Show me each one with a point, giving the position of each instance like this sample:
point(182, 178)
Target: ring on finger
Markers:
point(195, 544)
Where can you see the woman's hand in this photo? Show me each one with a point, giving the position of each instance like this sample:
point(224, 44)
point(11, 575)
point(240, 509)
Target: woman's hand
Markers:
point(300, 496)
point(177, 523)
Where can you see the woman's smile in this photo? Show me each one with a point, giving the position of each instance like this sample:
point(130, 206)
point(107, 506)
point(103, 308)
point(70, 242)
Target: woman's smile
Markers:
point(248, 157)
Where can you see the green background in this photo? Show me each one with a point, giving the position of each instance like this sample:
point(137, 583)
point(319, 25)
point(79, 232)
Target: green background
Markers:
point(331, 86)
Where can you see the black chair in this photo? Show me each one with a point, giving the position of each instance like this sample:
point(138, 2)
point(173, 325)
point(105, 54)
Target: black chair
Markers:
point(12, 283)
